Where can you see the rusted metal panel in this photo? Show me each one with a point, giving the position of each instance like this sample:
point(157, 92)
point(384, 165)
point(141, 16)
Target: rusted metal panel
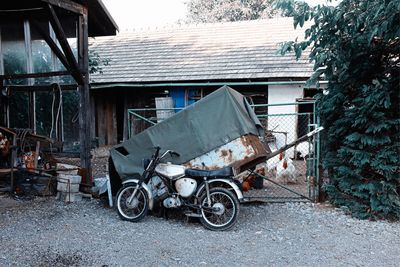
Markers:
point(241, 153)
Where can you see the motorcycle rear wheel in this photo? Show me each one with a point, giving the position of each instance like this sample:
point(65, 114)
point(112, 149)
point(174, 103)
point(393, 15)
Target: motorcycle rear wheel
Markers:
point(228, 205)
point(137, 208)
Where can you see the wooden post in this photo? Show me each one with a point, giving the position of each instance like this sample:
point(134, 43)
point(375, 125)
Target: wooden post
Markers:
point(126, 118)
point(13, 156)
point(2, 103)
point(92, 116)
point(1, 59)
point(36, 158)
point(29, 69)
point(84, 100)
point(62, 39)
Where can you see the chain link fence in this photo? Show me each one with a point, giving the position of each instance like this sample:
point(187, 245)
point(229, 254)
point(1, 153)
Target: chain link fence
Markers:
point(293, 174)
point(290, 176)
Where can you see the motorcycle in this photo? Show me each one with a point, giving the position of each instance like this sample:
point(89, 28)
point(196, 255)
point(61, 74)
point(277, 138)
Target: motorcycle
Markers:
point(213, 196)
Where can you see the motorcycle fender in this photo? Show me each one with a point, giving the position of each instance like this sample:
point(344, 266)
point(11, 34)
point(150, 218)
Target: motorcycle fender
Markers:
point(235, 188)
point(151, 199)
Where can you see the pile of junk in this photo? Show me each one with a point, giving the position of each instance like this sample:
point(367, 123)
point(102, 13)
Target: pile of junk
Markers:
point(28, 167)
point(220, 130)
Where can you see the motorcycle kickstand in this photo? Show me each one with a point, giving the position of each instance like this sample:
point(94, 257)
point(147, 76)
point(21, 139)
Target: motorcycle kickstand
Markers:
point(164, 212)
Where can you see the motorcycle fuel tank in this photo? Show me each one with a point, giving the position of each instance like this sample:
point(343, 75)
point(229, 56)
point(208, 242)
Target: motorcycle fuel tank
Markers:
point(186, 186)
point(170, 170)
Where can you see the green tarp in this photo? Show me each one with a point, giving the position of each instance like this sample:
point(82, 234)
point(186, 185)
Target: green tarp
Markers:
point(213, 121)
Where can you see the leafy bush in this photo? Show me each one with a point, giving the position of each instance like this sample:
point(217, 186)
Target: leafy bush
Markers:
point(356, 48)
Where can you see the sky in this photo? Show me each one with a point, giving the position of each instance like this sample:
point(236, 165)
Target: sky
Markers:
point(137, 14)
point(142, 14)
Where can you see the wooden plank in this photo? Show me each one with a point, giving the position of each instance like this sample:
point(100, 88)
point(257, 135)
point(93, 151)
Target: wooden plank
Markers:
point(107, 112)
point(125, 122)
point(67, 4)
point(99, 120)
point(62, 39)
point(112, 121)
point(92, 116)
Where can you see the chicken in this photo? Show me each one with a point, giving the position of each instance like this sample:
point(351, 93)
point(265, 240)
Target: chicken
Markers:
point(253, 180)
point(285, 170)
point(303, 150)
point(246, 186)
point(272, 163)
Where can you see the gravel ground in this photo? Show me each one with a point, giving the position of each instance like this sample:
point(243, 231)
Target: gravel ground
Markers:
point(44, 232)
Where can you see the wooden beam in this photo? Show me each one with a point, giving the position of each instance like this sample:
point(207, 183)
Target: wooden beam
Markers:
point(54, 47)
point(50, 42)
point(41, 88)
point(34, 75)
point(85, 137)
point(1, 59)
point(62, 39)
point(29, 69)
point(3, 101)
point(67, 4)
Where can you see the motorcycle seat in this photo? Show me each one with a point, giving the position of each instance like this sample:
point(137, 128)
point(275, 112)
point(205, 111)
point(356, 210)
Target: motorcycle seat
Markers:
point(222, 173)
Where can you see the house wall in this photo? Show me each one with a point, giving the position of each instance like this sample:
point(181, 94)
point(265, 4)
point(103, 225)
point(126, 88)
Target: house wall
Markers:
point(104, 117)
point(284, 94)
point(278, 94)
point(109, 112)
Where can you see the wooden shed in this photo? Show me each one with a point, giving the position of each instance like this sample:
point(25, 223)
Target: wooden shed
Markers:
point(190, 61)
point(44, 48)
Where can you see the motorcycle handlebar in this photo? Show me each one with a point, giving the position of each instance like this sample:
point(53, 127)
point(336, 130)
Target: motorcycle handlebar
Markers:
point(171, 152)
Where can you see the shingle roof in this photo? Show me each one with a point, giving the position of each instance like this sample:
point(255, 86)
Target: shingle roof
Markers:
point(215, 51)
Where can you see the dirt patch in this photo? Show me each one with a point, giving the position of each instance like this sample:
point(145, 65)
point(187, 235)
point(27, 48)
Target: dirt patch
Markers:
point(50, 258)
point(7, 202)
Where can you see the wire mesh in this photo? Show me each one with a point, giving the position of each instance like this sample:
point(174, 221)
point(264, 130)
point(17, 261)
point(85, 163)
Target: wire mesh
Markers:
point(290, 176)
point(287, 175)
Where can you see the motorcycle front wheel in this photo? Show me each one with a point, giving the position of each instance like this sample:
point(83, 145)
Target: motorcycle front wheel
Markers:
point(223, 212)
point(132, 208)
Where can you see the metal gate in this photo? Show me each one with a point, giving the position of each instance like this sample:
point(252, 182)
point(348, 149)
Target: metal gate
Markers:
point(284, 122)
point(298, 178)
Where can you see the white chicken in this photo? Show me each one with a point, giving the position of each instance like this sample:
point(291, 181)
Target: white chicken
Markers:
point(272, 163)
point(303, 150)
point(285, 170)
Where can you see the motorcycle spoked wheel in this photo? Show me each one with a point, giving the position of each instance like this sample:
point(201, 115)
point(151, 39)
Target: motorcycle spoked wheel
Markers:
point(137, 209)
point(226, 217)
